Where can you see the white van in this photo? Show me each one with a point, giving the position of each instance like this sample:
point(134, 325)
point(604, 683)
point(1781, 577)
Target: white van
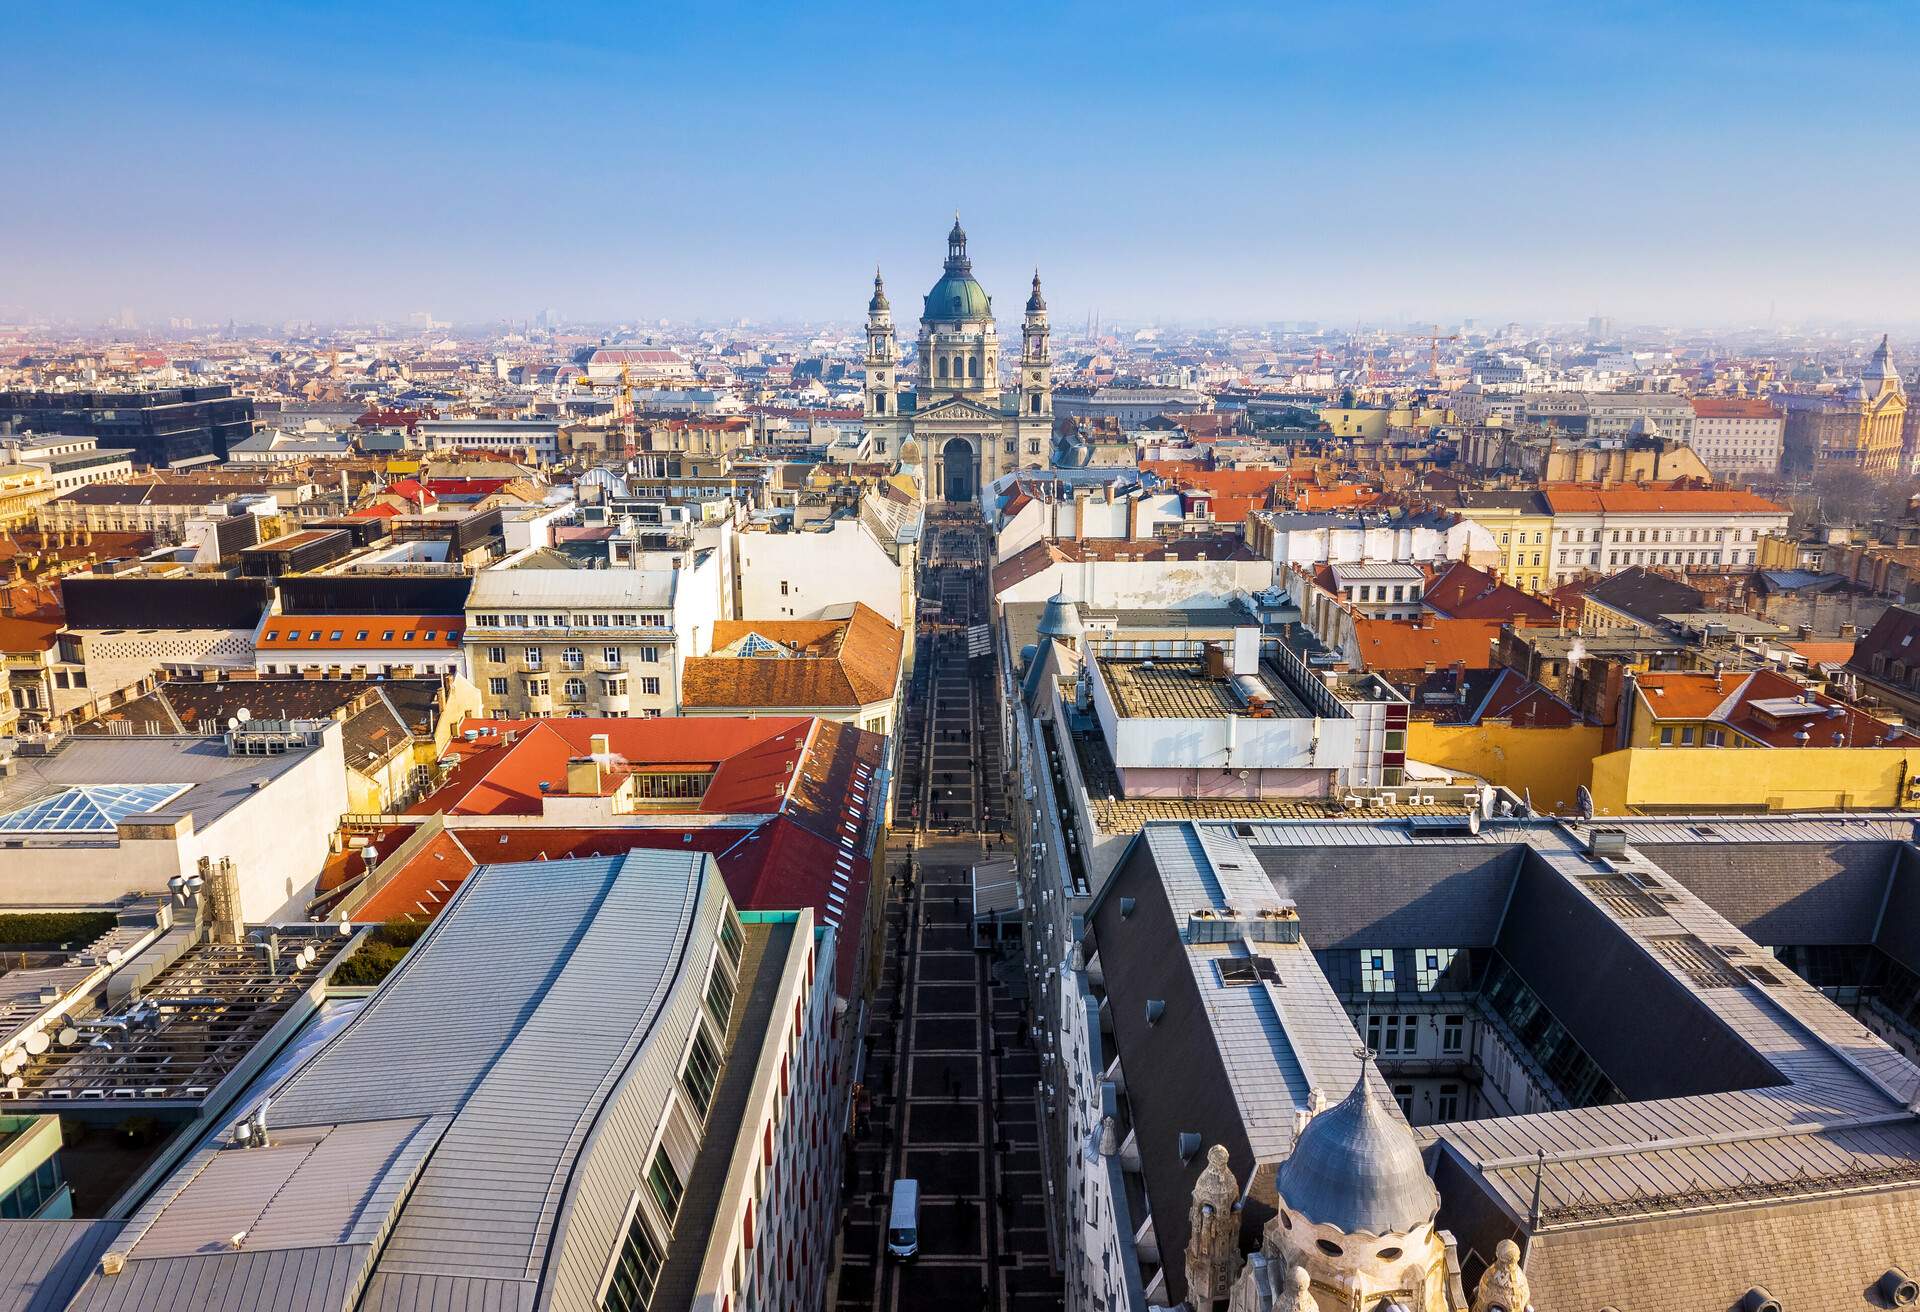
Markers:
point(903, 1223)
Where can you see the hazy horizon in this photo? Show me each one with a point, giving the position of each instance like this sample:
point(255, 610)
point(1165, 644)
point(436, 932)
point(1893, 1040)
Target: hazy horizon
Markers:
point(1734, 165)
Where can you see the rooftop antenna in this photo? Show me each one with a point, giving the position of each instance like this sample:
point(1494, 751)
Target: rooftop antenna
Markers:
point(1539, 1171)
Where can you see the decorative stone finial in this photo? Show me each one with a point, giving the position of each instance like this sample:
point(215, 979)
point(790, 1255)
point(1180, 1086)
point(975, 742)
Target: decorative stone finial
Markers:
point(1295, 1292)
point(1213, 1232)
point(1503, 1286)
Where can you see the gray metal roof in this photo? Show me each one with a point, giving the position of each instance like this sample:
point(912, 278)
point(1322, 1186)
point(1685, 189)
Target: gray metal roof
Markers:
point(216, 781)
point(427, 1151)
point(1355, 1167)
point(43, 1262)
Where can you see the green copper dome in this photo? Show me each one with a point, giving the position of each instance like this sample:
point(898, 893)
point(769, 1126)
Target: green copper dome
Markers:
point(957, 295)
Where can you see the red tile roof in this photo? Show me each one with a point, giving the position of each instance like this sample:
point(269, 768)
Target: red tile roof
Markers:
point(813, 784)
point(1463, 592)
point(298, 633)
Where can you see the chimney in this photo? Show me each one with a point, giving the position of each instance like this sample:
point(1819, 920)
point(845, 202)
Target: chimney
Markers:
point(1079, 513)
point(583, 777)
point(600, 745)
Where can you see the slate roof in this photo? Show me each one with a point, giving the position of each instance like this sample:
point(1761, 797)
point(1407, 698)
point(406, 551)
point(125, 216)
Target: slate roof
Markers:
point(1756, 1113)
point(1645, 595)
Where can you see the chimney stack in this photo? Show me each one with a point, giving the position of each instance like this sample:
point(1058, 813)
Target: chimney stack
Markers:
point(583, 777)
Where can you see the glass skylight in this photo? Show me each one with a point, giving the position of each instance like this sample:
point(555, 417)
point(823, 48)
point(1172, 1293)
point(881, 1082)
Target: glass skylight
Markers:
point(88, 808)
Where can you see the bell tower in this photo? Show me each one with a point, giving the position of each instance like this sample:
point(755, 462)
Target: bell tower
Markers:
point(883, 355)
point(1036, 360)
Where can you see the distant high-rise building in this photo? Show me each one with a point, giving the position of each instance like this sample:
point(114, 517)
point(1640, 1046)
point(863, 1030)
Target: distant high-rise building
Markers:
point(1600, 327)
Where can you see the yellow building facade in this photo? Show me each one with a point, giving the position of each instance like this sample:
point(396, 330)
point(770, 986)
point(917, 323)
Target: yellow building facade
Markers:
point(1522, 529)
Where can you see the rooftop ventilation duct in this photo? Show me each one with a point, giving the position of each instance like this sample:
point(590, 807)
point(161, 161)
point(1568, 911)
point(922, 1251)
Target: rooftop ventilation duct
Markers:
point(1897, 1289)
point(1758, 1300)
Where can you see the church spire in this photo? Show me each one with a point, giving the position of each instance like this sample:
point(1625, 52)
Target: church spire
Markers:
point(1036, 302)
point(879, 301)
point(957, 261)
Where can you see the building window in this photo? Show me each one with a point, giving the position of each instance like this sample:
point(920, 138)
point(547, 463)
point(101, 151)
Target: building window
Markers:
point(720, 995)
point(666, 1184)
point(615, 687)
point(496, 687)
point(1666, 735)
point(1446, 1107)
point(1453, 1033)
point(610, 655)
point(649, 687)
point(1686, 736)
point(498, 655)
point(573, 658)
point(536, 687)
point(635, 1272)
point(701, 1072)
point(534, 658)
point(575, 689)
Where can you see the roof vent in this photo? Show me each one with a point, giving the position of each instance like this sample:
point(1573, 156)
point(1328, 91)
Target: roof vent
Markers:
point(1126, 903)
point(1607, 844)
point(1189, 1144)
point(1156, 1008)
point(1897, 1289)
point(1758, 1300)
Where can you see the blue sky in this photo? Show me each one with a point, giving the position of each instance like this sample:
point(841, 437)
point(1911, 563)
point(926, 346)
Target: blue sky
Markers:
point(1700, 163)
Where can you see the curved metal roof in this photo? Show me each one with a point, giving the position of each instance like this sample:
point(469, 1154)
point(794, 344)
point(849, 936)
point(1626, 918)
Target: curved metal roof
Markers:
point(1356, 1167)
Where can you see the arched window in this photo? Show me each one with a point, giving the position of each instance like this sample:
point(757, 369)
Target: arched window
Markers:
point(943, 366)
point(1036, 403)
point(973, 367)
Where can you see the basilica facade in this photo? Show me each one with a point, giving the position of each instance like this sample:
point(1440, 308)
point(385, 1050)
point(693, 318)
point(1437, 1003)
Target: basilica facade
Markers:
point(957, 426)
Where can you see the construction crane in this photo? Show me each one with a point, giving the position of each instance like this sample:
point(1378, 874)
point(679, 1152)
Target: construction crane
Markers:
point(1433, 340)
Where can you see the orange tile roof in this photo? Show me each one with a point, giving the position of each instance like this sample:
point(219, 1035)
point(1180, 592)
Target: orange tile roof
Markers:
point(1572, 499)
point(1403, 645)
point(1838, 653)
point(1730, 701)
point(839, 663)
point(361, 632)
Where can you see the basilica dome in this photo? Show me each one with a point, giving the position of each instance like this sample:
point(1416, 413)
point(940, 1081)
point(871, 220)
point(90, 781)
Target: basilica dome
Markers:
point(957, 296)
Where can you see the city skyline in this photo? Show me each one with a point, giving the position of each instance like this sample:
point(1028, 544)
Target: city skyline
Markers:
point(1724, 166)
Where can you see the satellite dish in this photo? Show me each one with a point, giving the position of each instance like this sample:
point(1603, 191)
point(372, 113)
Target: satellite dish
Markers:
point(37, 1043)
point(113, 956)
point(15, 1084)
point(233, 722)
point(12, 1062)
point(243, 715)
point(68, 1036)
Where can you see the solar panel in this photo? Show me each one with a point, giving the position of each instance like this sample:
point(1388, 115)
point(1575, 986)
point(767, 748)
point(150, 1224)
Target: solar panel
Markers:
point(88, 808)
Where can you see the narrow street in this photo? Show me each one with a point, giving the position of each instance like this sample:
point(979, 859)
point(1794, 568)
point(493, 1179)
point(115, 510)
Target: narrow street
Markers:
point(950, 1071)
